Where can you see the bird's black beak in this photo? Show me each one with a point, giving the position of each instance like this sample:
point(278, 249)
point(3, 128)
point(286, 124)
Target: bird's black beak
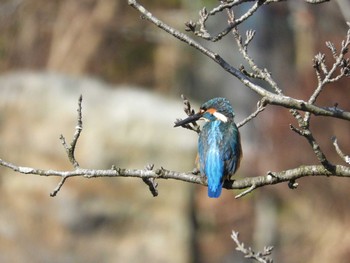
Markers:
point(190, 119)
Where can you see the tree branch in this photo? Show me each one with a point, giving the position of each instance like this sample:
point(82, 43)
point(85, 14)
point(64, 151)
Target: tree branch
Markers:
point(345, 158)
point(261, 257)
point(319, 63)
point(260, 106)
point(70, 149)
point(269, 97)
point(204, 15)
point(270, 179)
point(320, 67)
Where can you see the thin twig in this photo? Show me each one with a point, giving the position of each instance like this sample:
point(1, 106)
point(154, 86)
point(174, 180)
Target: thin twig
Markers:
point(316, 1)
point(260, 107)
point(245, 192)
point(243, 49)
point(203, 17)
point(340, 62)
point(345, 158)
point(70, 149)
point(261, 257)
point(307, 134)
point(59, 186)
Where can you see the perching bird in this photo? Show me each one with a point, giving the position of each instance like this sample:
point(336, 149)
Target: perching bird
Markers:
point(219, 143)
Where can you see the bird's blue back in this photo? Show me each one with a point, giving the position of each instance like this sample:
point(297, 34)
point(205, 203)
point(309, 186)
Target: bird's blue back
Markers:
point(219, 153)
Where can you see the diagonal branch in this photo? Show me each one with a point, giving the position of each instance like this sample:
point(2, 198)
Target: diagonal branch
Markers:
point(307, 134)
point(269, 97)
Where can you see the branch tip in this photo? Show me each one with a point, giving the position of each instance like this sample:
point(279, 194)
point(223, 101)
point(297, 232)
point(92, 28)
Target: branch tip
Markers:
point(292, 184)
point(59, 186)
point(247, 191)
point(260, 256)
point(345, 158)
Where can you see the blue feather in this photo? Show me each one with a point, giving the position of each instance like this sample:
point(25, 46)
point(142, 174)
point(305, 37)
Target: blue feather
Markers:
point(219, 145)
point(214, 169)
point(219, 153)
point(211, 159)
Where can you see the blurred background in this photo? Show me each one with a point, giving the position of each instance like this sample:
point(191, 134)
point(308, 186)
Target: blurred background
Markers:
point(131, 75)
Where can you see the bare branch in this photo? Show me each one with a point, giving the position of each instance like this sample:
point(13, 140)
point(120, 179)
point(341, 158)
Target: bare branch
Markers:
point(340, 62)
point(243, 49)
point(270, 98)
point(270, 179)
point(59, 186)
point(287, 176)
point(224, 5)
point(247, 191)
point(249, 253)
point(321, 68)
point(346, 158)
point(260, 107)
point(316, 1)
point(70, 149)
point(305, 132)
point(236, 22)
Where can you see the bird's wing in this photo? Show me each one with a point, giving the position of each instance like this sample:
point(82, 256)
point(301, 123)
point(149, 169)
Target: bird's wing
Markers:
point(232, 149)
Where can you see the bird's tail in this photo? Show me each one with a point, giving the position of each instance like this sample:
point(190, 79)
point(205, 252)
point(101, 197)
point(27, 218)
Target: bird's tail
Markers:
point(214, 192)
point(214, 170)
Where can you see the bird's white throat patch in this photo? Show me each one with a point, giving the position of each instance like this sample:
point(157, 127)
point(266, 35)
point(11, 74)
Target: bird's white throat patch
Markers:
point(220, 116)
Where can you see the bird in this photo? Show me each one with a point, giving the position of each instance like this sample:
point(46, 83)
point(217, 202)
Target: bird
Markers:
point(219, 143)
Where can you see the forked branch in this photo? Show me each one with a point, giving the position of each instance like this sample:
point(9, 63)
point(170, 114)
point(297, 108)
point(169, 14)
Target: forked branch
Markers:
point(269, 97)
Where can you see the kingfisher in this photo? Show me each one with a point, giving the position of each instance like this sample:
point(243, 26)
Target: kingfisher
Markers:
point(219, 143)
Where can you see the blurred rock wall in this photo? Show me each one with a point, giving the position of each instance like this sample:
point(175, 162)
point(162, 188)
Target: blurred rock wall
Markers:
point(97, 220)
